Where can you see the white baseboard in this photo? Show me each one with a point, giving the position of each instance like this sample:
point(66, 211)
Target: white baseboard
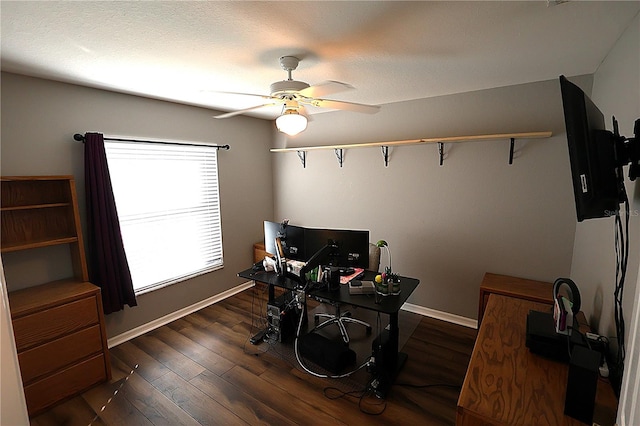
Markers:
point(152, 325)
point(159, 322)
point(444, 316)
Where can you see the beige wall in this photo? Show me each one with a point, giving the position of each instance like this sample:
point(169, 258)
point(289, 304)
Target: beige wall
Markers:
point(616, 89)
point(39, 118)
point(446, 225)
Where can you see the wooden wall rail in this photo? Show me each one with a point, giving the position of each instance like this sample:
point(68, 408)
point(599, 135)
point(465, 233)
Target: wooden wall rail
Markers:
point(385, 145)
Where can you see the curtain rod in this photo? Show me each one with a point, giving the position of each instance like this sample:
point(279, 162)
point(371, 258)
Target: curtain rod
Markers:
point(80, 138)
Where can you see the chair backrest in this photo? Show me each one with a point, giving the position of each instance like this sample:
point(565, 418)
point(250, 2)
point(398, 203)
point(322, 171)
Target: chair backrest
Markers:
point(374, 257)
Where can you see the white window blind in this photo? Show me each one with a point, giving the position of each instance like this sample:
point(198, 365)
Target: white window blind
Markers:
point(169, 209)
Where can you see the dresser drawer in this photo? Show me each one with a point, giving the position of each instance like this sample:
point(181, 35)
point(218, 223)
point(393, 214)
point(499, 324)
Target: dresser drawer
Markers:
point(66, 383)
point(49, 324)
point(52, 356)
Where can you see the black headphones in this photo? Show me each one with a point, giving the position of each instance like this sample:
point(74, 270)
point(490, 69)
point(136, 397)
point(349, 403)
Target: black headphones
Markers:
point(564, 287)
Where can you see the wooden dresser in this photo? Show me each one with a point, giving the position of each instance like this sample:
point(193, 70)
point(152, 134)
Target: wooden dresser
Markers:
point(60, 339)
point(522, 288)
point(259, 253)
point(507, 385)
point(58, 326)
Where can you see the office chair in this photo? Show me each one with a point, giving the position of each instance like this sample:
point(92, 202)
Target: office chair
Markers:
point(340, 318)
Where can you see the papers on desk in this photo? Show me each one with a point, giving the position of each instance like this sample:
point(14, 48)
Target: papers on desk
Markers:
point(356, 273)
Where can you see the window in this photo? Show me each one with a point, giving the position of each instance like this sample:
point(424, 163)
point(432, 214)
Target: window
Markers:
point(169, 210)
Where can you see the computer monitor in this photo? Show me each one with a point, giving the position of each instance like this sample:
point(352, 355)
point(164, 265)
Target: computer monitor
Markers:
point(291, 238)
point(351, 246)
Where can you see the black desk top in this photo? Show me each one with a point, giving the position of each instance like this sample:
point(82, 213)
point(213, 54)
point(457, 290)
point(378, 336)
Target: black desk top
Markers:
point(388, 304)
point(269, 278)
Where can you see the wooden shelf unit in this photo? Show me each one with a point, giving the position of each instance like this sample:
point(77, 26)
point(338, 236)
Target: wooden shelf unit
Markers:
point(58, 326)
point(41, 211)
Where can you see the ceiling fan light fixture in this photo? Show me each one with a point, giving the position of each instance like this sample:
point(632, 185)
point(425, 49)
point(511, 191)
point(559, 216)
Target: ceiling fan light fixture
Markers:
point(291, 122)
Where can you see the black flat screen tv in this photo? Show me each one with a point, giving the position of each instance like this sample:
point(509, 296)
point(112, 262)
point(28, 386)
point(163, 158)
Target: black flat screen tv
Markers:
point(594, 170)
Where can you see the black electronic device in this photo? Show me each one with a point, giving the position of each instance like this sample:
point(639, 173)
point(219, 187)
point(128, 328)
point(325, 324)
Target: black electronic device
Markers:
point(582, 384)
point(596, 155)
point(542, 339)
point(331, 276)
point(331, 355)
point(272, 230)
point(282, 317)
point(350, 247)
point(291, 238)
point(385, 362)
point(257, 338)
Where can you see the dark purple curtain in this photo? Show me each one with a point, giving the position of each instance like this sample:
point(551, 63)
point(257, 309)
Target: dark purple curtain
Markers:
point(108, 267)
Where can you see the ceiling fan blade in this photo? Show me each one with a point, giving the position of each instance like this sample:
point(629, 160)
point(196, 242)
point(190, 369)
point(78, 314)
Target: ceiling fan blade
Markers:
point(345, 106)
point(242, 111)
point(325, 88)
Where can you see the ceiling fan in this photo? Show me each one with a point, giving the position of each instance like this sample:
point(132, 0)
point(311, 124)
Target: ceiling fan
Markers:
point(293, 95)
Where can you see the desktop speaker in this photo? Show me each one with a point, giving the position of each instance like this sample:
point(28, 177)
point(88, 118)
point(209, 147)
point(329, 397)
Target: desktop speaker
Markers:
point(582, 383)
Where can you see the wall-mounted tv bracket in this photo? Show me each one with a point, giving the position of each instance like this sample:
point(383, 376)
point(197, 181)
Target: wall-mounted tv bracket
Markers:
point(441, 152)
point(628, 149)
point(339, 155)
point(302, 155)
point(385, 155)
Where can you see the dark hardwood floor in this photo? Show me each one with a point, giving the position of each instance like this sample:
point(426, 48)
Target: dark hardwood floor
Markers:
point(201, 369)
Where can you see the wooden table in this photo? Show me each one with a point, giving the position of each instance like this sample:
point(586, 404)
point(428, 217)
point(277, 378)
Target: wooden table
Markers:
point(506, 384)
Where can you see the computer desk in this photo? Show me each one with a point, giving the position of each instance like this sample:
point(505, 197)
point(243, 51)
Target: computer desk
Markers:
point(392, 359)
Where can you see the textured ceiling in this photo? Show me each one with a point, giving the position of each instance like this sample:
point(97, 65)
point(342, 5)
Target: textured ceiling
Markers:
point(389, 51)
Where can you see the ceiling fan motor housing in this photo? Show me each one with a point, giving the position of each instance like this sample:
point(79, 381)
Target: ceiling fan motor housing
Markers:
point(287, 86)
